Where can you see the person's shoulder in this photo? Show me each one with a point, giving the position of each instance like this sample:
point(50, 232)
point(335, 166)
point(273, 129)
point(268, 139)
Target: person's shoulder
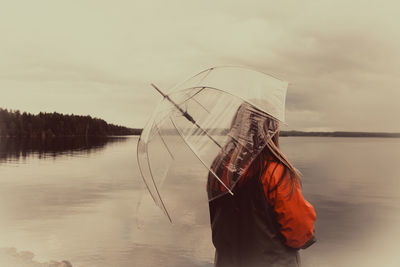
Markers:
point(273, 169)
point(275, 165)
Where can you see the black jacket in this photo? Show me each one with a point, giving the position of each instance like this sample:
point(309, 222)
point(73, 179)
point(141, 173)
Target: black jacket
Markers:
point(245, 232)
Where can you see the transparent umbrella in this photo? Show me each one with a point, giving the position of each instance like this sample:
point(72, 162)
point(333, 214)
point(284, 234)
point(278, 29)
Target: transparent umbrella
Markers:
point(224, 115)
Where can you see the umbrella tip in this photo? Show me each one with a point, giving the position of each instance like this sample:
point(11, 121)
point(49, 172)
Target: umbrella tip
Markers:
point(158, 89)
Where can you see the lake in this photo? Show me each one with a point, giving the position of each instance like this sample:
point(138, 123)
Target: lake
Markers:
point(84, 201)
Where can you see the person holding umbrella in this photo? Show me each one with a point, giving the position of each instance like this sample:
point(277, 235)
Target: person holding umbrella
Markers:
point(266, 220)
point(229, 118)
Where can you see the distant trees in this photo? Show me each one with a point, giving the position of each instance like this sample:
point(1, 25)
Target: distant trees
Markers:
point(25, 125)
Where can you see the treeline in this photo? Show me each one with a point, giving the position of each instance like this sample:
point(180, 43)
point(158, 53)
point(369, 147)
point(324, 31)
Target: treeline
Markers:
point(13, 123)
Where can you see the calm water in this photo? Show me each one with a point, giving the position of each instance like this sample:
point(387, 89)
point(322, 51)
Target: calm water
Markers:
point(84, 201)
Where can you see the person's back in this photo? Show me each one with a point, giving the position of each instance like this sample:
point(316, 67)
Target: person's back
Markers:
point(245, 231)
point(258, 226)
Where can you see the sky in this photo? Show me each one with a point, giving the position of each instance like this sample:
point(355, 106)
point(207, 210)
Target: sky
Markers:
point(98, 58)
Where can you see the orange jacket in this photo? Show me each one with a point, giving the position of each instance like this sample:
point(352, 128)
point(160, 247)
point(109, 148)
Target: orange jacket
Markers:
point(295, 215)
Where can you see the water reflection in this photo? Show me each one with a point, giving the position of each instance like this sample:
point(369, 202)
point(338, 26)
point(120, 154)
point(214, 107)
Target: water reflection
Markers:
point(15, 149)
point(84, 207)
point(65, 199)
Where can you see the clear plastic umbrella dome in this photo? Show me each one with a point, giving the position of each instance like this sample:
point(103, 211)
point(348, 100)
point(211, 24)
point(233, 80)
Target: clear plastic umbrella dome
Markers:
point(224, 116)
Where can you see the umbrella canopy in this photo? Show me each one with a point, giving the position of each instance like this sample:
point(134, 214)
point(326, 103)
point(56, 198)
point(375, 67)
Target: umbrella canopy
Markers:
point(224, 115)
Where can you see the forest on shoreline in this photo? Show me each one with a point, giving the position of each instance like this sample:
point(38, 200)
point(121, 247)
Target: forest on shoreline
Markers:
point(13, 123)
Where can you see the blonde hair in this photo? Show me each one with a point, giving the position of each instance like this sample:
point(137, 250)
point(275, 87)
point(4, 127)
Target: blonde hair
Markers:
point(273, 148)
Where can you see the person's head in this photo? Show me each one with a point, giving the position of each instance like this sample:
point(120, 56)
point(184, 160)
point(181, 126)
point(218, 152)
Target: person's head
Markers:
point(253, 137)
point(261, 130)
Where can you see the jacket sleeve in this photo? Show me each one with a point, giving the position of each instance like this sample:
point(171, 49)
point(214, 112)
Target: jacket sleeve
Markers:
point(295, 215)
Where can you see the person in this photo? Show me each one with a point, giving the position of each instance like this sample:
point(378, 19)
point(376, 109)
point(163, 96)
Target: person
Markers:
point(266, 220)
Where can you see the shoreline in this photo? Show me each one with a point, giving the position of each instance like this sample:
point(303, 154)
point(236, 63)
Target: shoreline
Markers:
point(281, 134)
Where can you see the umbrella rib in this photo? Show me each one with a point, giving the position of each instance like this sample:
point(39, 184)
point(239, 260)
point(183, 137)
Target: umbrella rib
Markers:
point(205, 76)
point(148, 188)
point(155, 186)
point(162, 139)
point(140, 167)
point(192, 98)
point(199, 104)
point(196, 154)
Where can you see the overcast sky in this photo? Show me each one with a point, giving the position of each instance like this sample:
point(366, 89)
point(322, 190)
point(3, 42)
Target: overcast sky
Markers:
point(341, 58)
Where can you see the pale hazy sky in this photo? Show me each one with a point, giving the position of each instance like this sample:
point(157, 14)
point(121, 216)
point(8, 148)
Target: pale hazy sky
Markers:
point(342, 58)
